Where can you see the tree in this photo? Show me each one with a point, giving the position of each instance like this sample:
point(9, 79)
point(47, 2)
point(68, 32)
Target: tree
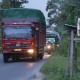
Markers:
point(5, 4)
point(17, 3)
point(54, 10)
point(63, 11)
point(71, 11)
point(13, 3)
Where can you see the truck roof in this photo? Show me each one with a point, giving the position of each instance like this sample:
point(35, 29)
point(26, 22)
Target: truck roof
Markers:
point(23, 13)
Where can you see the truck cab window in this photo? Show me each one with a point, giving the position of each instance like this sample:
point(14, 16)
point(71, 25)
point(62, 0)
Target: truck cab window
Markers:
point(17, 32)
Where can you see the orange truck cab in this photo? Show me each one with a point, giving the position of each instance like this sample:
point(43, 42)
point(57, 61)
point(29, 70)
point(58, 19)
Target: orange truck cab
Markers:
point(23, 34)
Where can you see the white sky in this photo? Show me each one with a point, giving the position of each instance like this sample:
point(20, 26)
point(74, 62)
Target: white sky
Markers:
point(38, 4)
point(0, 0)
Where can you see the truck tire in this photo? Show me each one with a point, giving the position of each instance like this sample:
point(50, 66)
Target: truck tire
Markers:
point(15, 58)
point(41, 55)
point(5, 58)
point(34, 58)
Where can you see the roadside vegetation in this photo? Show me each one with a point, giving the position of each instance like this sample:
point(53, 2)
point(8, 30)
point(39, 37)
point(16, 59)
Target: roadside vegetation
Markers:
point(54, 68)
point(65, 12)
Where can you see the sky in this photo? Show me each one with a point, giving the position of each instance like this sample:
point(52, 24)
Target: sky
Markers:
point(38, 4)
point(0, 0)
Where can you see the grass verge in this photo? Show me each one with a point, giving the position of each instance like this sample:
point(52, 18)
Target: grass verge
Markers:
point(54, 68)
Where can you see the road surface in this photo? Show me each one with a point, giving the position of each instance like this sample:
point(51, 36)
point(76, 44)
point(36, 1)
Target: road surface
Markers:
point(21, 70)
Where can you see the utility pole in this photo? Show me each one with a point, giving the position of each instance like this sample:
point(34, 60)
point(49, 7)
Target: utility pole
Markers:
point(72, 55)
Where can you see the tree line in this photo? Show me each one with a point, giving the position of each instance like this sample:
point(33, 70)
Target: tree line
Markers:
point(62, 12)
point(12, 3)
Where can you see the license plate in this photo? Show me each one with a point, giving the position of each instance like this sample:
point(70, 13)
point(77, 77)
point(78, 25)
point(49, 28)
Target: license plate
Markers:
point(17, 49)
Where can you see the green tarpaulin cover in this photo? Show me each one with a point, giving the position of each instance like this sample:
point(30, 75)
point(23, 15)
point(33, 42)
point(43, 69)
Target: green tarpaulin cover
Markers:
point(23, 13)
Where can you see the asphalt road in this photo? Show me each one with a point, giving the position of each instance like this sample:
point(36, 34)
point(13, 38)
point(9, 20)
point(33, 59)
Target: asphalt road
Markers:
point(21, 70)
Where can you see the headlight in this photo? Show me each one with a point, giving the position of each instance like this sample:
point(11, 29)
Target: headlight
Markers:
point(57, 45)
point(48, 46)
point(31, 51)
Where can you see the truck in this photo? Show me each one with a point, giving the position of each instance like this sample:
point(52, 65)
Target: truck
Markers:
point(50, 42)
point(23, 33)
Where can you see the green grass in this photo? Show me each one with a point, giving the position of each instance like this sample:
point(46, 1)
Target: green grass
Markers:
point(54, 68)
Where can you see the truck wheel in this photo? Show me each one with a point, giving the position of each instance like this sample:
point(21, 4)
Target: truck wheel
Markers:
point(34, 57)
point(5, 58)
point(15, 58)
point(41, 56)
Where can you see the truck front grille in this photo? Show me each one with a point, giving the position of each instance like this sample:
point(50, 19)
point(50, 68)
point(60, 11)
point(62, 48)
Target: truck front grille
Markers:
point(14, 45)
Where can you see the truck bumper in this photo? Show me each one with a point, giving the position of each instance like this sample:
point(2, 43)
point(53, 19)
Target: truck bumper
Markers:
point(18, 52)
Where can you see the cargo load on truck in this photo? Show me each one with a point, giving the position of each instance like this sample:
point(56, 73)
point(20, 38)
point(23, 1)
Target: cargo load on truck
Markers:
point(23, 13)
point(23, 33)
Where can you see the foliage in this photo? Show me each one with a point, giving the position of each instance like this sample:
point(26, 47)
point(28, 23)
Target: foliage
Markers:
point(63, 11)
point(63, 49)
point(54, 68)
point(12, 3)
point(17, 3)
point(5, 4)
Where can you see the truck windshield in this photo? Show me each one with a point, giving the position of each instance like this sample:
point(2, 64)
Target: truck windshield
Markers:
point(17, 32)
point(52, 40)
